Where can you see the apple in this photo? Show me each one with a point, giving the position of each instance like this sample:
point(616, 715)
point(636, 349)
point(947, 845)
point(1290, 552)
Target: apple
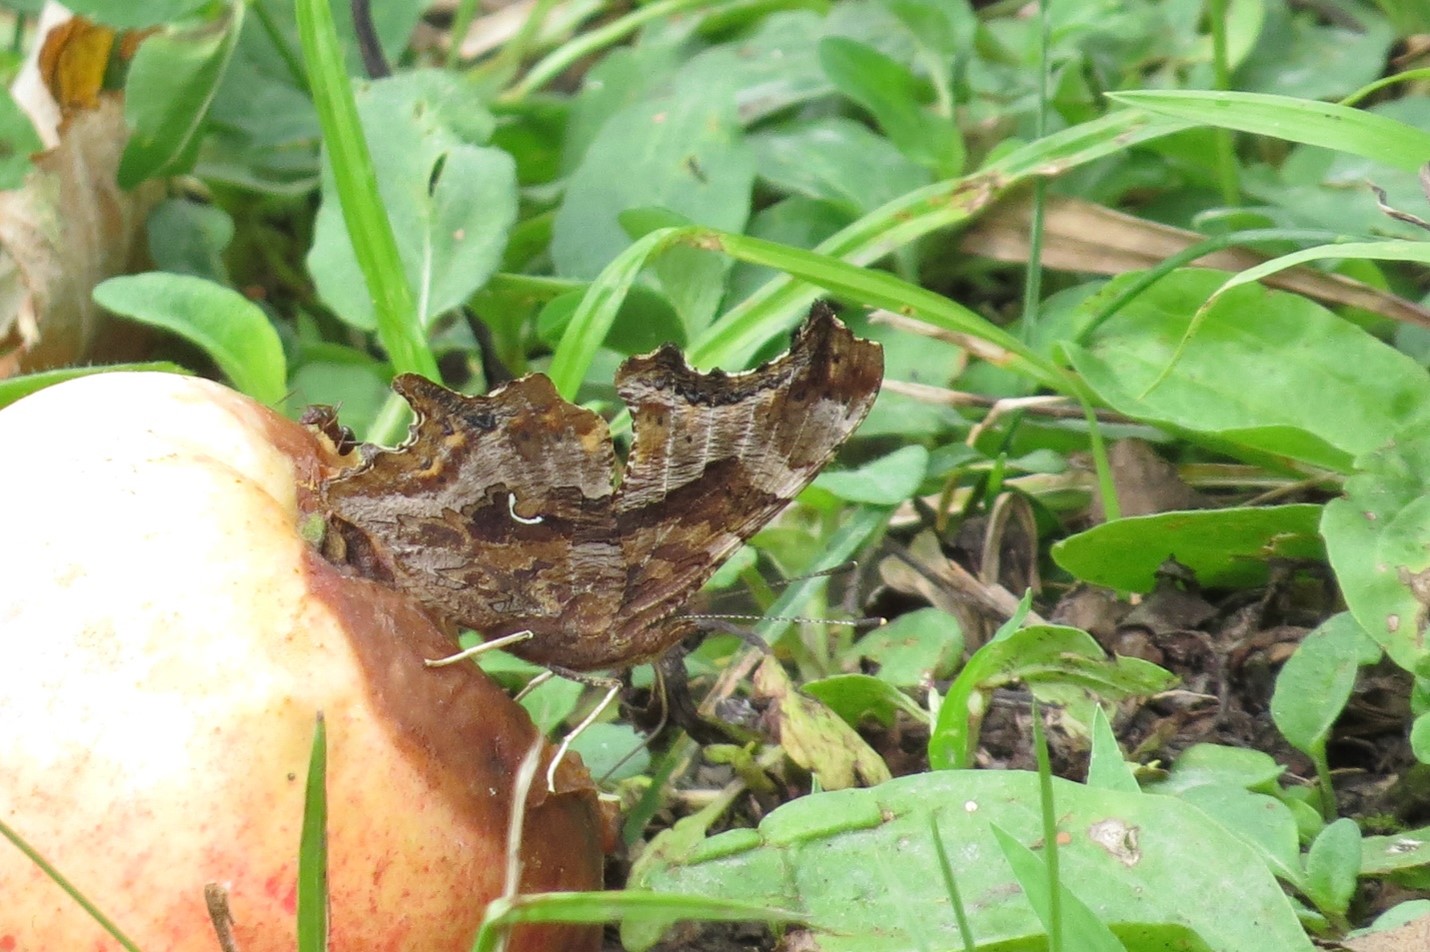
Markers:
point(167, 639)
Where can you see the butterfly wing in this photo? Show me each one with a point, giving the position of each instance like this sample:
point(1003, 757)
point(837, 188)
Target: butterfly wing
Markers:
point(717, 456)
point(497, 511)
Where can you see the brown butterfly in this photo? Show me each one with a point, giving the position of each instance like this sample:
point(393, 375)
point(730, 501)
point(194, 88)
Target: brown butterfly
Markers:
point(502, 512)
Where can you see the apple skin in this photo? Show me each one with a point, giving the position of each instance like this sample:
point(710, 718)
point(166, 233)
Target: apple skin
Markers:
point(168, 639)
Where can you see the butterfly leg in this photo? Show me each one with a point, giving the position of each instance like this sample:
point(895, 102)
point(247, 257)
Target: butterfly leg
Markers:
point(533, 684)
point(477, 649)
point(612, 687)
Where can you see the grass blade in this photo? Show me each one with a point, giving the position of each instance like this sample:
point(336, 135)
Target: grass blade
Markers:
point(398, 326)
point(313, 852)
point(67, 886)
point(1295, 120)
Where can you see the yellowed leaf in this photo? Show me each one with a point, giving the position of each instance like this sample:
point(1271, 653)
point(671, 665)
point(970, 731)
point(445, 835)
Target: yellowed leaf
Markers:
point(73, 60)
point(815, 737)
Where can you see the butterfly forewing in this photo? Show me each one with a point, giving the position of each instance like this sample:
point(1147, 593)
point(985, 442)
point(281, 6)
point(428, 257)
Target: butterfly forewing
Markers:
point(717, 456)
point(497, 511)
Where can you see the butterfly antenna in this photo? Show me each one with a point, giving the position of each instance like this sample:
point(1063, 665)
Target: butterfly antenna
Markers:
point(869, 622)
point(843, 568)
point(776, 585)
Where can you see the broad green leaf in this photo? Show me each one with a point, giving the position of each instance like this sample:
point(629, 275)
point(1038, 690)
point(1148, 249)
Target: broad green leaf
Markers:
point(835, 160)
point(644, 322)
point(1261, 821)
point(1219, 764)
point(938, 27)
point(913, 649)
point(1244, 22)
point(684, 152)
point(1296, 120)
point(227, 326)
point(1383, 855)
point(622, 78)
point(451, 201)
point(892, 94)
point(18, 141)
point(612, 752)
point(857, 696)
point(887, 481)
point(1315, 682)
point(549, 704)
point(342, 377)
point(1332, 865)
point(1226, 548)
point(1308, 817)
point(263, 127)
point(187, 237)
point(171, 83)
point(1420, 738)
point(1136, 861)
point(1402, 920)
point(1302, 54)
point(1204, 764)
point(149, 13)
point(1351, 391)
point(682, 155)
point(1375, 540)
point(552, 702)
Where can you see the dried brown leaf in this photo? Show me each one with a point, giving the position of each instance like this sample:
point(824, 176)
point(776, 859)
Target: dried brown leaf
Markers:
point(1414, 936)
point(69, 227)
point(1083, 236)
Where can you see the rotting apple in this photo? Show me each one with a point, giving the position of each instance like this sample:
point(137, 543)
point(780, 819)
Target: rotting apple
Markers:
point(167, 638)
